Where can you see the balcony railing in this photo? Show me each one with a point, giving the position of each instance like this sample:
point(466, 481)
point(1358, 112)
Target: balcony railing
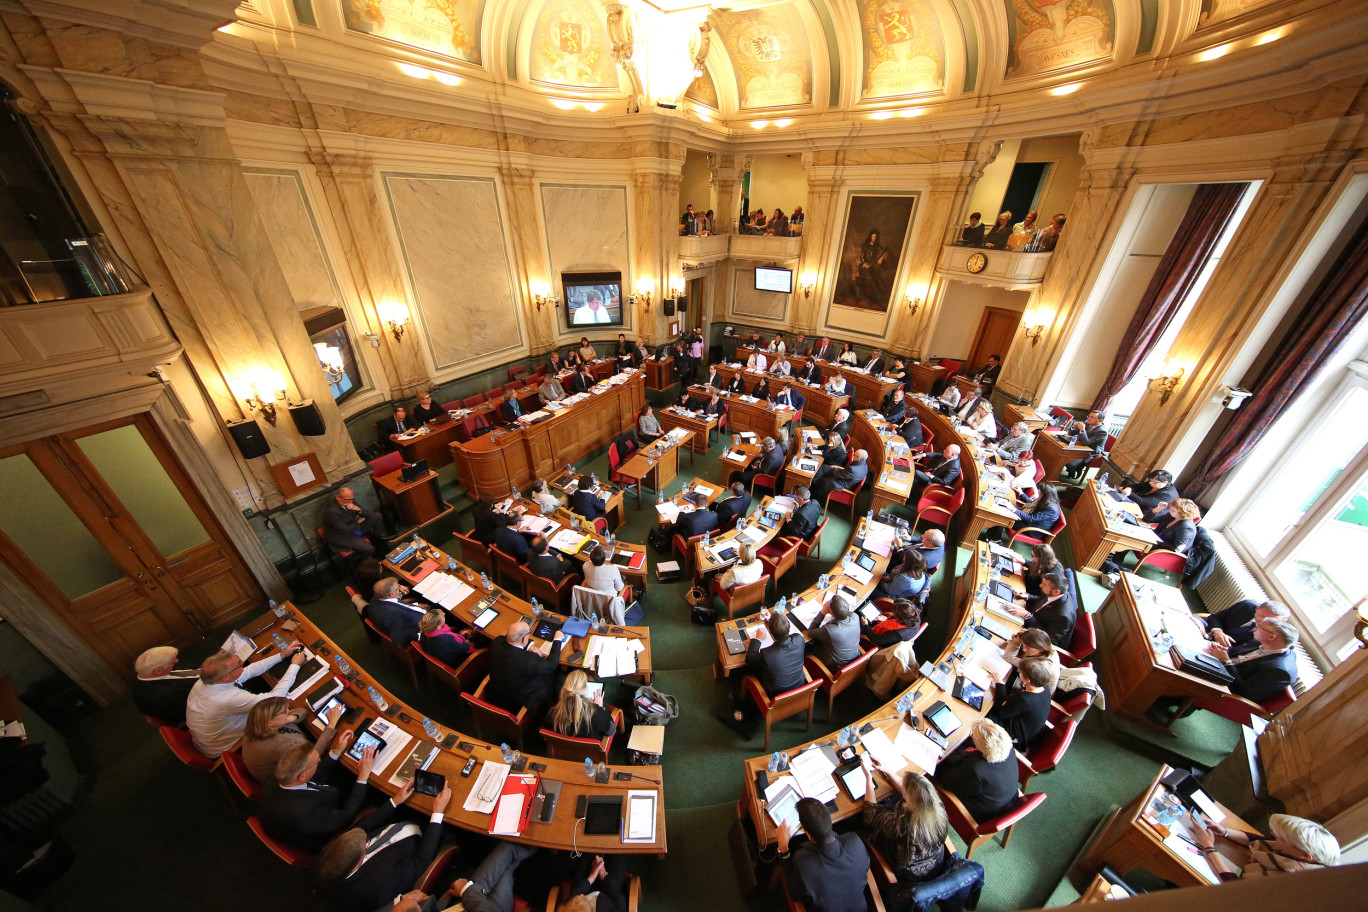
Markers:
point(1003, 268)
point(747, 246)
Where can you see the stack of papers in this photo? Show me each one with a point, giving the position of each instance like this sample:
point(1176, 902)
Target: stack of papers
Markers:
point(919, 750)
point(531, 524)
point(998, 607)
point(812, 769)
point(640, 825)
point(879, 538)
point(568, 540)
point(13, 730)
point(783, 504)
point(668, 511)
point(444, 589)
point(484, 794)
point(805, 613)
point(614, 656)
point(750, 535)
point(736, 457)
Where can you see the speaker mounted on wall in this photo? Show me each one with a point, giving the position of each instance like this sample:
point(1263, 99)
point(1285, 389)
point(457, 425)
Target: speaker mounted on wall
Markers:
point(246, 433)
point(683, 303)
point(307, 418)
point(669, 305)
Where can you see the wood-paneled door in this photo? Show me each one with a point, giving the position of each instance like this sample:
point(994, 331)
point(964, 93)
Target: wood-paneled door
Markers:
point(107, 529)
point(997, 327)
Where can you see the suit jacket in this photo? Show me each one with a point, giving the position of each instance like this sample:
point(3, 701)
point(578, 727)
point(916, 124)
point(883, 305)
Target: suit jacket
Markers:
point(341, 524)
point(487, 521)
point(730, 508)
point(1021, 712)
point(737, 384)
point(997, 236)
point(695, 523)
point(400, 623)
point(1040, 519)
point(710, 409)
point(1178, 535)
point(932, 556)
point(831, 877)
point(911, 431)
point(549, 566)
point(762, 390)
point(811, 374)
point(555, 367)
point(825, 352)
point(588, 504)
point(893, 411)
point(520, 678)
point(717, 381)
point(1237, 621)
point(803, 521)
point(780, 664)
point(942, 471)
point(389, 426)
point(511, 542)
point(985, 789)
point(1148, 500)
point(307, 818)
point(1057, 618)
point(834, 455)
point(389, 873)
point(989, 375)
point(873, 365)
point(841, 427)
point(163, 698)
point(1258, 679)
point(579, 383)
point(772, 460)
point(847, 478)
point(785, 396)
point(450, 649)
point(1096, 438)
point(424, 415)
point(510, 410)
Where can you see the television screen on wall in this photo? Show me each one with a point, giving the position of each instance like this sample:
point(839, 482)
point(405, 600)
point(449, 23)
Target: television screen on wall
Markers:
point(592, 299)
point(780, 280)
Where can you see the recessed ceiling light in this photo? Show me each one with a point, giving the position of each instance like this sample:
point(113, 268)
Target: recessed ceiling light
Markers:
point(912, 112)
point(1270, 36)
point(1066, 89)
point(881, 115)
point(564, 104)
point(596, 106)
point(783, 123)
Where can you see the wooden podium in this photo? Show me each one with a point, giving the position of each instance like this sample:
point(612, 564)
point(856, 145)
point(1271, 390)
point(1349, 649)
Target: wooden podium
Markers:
point(416, 502)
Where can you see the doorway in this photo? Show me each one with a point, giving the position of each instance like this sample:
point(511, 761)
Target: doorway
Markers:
point(996, 330)
point(104, 525)
point(1023, 191)
point(693, 294)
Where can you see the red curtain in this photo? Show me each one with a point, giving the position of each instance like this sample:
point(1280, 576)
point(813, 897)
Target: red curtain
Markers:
point(1211, 207)
point(1327, 319)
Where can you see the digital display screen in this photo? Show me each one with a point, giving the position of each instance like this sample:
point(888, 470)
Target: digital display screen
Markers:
point(780, 280)
point(592, 298)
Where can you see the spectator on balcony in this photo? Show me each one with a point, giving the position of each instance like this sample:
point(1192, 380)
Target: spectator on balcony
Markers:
point(756, 223)
point(778, 225)
point(709, 225)
point(972, 235)
point(1023, 231)
point(688, 222)
point(796, 221)
point(1046, 240)
point(997, 235)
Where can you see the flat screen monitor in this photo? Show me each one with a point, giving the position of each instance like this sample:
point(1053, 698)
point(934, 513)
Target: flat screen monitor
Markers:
point(780, 280)
point(592, 299)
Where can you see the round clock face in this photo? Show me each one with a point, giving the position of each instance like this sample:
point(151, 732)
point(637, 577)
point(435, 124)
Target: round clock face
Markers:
point(977, 262)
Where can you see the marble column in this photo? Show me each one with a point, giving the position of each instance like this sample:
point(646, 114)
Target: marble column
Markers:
point(655, 237)
point(823, 190)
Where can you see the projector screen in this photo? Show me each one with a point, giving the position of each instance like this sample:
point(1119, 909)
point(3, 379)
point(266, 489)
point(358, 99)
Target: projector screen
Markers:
point(592, 298)
point(780, 280)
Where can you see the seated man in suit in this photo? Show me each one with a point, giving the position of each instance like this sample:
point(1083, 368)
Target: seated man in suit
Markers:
point(846, 479)
point(812, 373)
point(840, 424)
point(585, 502)
point(715, 380)
point(519, 676)
point(932, 548)
point(894, 405)
point(757, 362)
point(351, 527)
point(696, 523)
point(1017, 441)
point(988, 376)
point(731, 507)
point(394, 617)
point(510, 409)
point(770, 461)
point(874, 364)
point(1265, 665)
point(159, 690)
point(554, 364)
point(550, 389)
point(397, 423)
point(982, 773)
point(1090, 434)
point(970, 403)
point(1053, 611)
point(910, 429)
point(1023, 712)
point(487, 520)
point(941, 468)
point(787, 398)
point(780, 664)
point(543, 561)
point(822, 351)
point(365, 868)
point(827, 873)
point(583, 380)
point(737, 385)
point(511, 542)
point(805, 518)
point(305, 813)
point(1235, 625)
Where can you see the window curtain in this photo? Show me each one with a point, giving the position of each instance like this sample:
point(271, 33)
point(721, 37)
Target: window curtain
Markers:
point(1329, 316)
point(1211, 208)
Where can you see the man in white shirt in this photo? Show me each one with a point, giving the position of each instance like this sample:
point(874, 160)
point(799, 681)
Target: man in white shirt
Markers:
point(951, 396)
point(216, 710)
point(757, 362)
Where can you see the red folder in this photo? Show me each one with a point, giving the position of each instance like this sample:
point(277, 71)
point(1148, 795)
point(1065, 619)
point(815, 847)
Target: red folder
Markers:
point(423, 570)
point(638, 561)
point(521, 789)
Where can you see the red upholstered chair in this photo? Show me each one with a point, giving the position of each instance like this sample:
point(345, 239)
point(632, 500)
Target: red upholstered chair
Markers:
point(239, 776)
point(739, 598)
point(814, 544)
point(347, 556)
point(517, 372)
point(496, 724)
point(845, 499)
point(975, 833)
point(685, 549)
point(506, 566)
point(513, 385)
point(561, 893)
point(285, 853)
point(1083, 643)
point(567, 747)
point(178, 739)
point(556, 596)
point(475, 401)
point(1072, 706)
point(781, 706)
point(1100, 460)
point(938, 507)
point(951, 366)
point(1033, 536)
point(438, 874)
point(614, 462)
point(1062, 416)
point(401, 654)
point(832, 682)
point(461, 679)
point(1046, 752)
point(473, 424)
point(390, 462)
point(1165, 561)
point(779, 557)
point(451, 406)
point(1238, 709)
point(766, 484)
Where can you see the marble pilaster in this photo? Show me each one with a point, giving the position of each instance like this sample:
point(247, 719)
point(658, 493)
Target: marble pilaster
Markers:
point(655, 237)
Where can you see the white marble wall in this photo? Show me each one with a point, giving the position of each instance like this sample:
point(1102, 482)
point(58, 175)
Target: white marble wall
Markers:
point(747, 302)
point(289, 222)
point(453, 246)
point(586, 231)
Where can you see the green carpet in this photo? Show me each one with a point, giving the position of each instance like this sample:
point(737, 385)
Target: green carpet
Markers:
point(189, 823)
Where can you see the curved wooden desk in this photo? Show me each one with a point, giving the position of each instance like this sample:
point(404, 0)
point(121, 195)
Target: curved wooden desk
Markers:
point(868, 387)
point(820, 407)
point(563, 832)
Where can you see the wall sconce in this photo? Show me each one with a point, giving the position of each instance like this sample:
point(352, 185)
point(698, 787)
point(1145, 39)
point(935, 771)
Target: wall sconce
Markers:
point(541, 294)
point(395, 317)
point(1035, 325)
point(914, 296)
point(808, 283)
point(1167, 381)
point(248, 389)
point(644, 289)
point(330, 359)
point(677, 288)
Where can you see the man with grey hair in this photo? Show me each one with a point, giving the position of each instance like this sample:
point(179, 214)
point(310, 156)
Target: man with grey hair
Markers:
point(941, 468)
point(1235, 625)
point(841, 424)
point(392, 616)
point(1265, 666)
point(550, 389)
point(216, 710)
point(932, 548)
point(1017, 441)
point(159, 690)
point(519, 675)
point(770, 462)
point(805, 518)
point(829, 479)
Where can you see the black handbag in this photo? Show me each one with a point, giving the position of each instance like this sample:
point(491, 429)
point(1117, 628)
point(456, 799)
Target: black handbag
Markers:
point(1200, 665)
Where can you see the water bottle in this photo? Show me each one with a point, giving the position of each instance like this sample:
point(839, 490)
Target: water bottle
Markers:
point(484, 580)
point(843, 738)
point(774, 762)
point(451, 564)
point(869, 517)
point(417, 542)
point(905, 704)
point(536, 608)
point(589, 767)
point(378, 700)
point(707, 538)
point(593, 479)
point(824, 580)
point(736, 440)
point(740, 521)
point(660, 497)
point(569, 469)
point(431, 728)
point(507, 753)
point(782, 604)
point(276, 608)
point(343, 665)
point(1102, 482)
point(594, 620)
point(845, 563)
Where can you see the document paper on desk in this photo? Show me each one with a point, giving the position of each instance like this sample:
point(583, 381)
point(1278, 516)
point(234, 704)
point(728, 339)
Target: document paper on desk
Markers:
point(812, 769)
point(882, 750)
point(568, 540)
point(640, 825)
point(879, 538)
point(859, 574)
point(484, 794)
point(444, 589)
point(396, 743)
point(668, 511)
point(917, 748)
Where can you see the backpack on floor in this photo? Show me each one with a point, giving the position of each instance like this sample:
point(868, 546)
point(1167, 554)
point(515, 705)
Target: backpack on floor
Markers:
point(659, 539)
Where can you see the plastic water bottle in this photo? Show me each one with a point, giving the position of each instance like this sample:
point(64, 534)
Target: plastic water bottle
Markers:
point(593, 479)
point(343, 665)
point(782, 604)
point(740, 521)
point(594, 620)
point(569, 469)
point(589, 767)
point(379, 701)
point(660, 497)
point(736, 440)
point(276, 608)
point(707, 538)
point(845, 563)
point(536, 608)
point(774, 762)
point(823, 581)
point(905, 703)
point(451, 564)
point(1102, 482)
point(431, 728)
point(869, 517)
point(843, 738)
point(507, 753)
point(417, 542)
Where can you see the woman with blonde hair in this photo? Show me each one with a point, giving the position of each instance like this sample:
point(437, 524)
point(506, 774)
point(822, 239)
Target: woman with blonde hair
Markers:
point(981, 419)
point(576, 714)
point(441, 642)
point(982, 773)
point(911, 835)
point(1178, 528)
point(273, 729)
point(1297, 844)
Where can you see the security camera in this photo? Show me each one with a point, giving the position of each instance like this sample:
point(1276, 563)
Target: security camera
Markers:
point(1232, 396)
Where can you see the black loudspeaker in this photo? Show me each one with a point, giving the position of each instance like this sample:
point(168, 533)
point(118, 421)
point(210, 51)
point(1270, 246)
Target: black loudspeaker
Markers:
point(249, 439)
point(307, 419)
point(669, 305)
point(683, 303)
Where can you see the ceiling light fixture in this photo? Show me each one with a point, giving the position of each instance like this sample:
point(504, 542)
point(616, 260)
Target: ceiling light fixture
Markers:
point(1215, 53)
point(416, 72)
point(1066, 89)
point(759, 124)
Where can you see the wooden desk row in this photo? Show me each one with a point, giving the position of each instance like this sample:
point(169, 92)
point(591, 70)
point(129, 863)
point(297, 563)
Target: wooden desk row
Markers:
point(562, 832)
point(761, 418)
point(868, 389)
point(820, 407)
